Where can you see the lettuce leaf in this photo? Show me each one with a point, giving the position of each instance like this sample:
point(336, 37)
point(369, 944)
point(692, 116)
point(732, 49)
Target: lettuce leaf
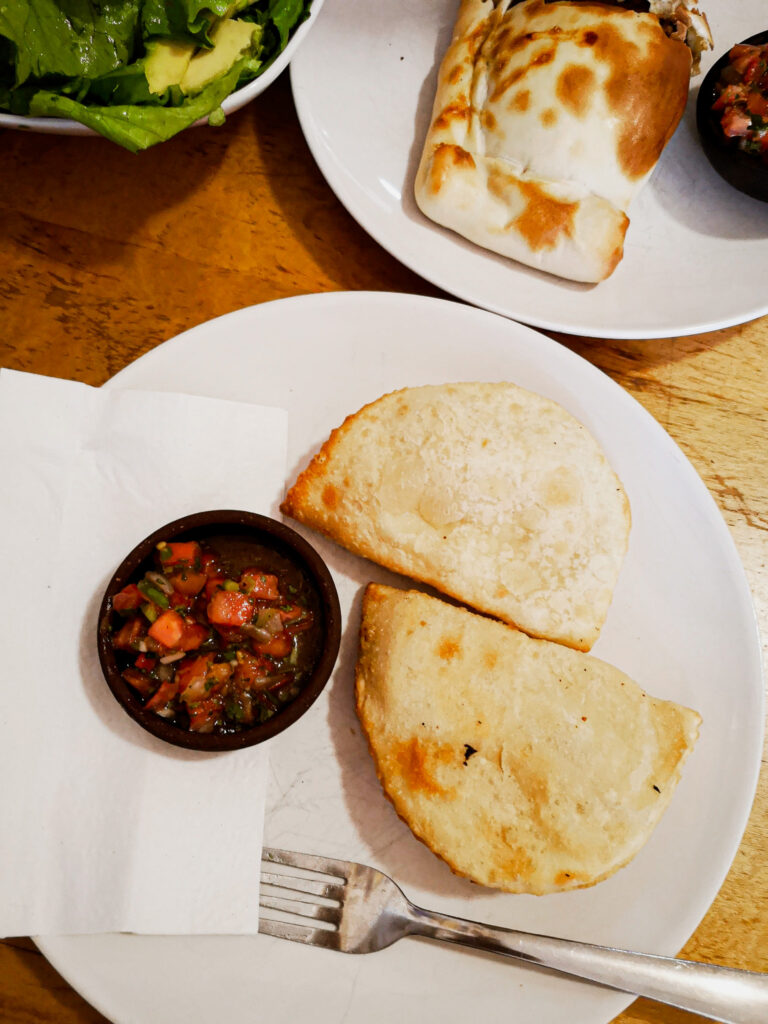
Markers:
point(181, 19)
point(137, 127)
point(69, 37)
point(285, 15)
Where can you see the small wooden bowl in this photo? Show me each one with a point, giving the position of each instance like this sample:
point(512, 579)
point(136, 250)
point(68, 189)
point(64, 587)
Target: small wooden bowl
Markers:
point(745, 171)
point(246, 526)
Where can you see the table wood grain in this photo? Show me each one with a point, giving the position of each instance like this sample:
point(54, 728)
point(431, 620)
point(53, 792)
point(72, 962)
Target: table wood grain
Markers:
point(104, 255)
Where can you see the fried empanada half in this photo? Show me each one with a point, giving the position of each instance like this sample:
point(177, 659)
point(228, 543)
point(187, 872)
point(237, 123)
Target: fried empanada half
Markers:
point(493, 495)
point(524, 765)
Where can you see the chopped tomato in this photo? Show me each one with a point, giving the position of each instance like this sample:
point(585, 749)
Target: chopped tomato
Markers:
point(129, 635)
point(296, 618)
point(231, 636)
point(139, 680)
point(280, 646)
point(200, 677)
point(128, 599)
point(191, 676)
point(214, 584)
point(289, 612)
point(188, 583)
point(731, 94)
point(210, 565)
point(230, 608)
point(162, 702)
point(180, 553)
point(735, 123)
point(259, 584)
point(758, 105)
point(204, 714)
point(180, 602)
point(145, 662)
point(748, 63)
point(251, 672)
point(167, 629)
point(194, 634)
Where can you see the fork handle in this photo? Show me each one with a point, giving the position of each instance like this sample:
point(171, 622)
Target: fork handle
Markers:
point(721, 993)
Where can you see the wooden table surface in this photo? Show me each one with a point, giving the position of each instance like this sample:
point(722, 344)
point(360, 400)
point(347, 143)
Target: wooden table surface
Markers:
point(104, 255)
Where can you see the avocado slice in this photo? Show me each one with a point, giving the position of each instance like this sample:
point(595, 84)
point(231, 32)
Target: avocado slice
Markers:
point(166, 63)
point(230, 38)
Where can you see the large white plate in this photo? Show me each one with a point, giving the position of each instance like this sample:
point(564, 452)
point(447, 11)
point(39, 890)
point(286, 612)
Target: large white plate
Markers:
point(681, 624)
point(233, 102)
point(696, 250)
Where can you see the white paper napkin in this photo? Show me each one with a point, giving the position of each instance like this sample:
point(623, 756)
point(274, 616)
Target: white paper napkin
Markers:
point(102, 826)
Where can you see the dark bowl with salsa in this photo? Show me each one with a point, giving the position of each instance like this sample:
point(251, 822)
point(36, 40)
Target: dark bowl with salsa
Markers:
point(219, 630)
point(732, 116)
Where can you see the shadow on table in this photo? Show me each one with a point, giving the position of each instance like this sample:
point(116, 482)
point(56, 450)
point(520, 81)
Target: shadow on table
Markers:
point(326, 231)
point(90, 184)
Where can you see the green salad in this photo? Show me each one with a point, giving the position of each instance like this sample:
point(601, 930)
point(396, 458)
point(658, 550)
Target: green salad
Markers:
point(137, 71)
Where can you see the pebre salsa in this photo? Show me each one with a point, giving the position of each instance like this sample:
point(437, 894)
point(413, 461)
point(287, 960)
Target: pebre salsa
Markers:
point(216, 636)
point(742, 98)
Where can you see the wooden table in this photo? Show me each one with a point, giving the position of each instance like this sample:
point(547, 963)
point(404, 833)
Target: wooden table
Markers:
point(104, 255)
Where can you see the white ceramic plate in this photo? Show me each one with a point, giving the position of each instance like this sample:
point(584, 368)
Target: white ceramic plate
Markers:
point(238, 99)
point(681, 624)
point(696, 250)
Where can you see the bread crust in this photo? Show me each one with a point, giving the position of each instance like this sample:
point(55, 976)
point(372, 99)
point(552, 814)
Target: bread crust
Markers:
point(525, 766)
point(487, 492)
point(548, 118)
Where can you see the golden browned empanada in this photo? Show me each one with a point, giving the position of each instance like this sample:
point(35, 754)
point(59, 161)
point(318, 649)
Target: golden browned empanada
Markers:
point(548, 119)
point(524, 765)
point(488, 492)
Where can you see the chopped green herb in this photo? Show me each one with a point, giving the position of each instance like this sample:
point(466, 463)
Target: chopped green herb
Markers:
point(153, 594)
point(150, 611)
point(234, 710)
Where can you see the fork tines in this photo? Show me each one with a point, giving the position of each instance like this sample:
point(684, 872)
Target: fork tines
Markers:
point(300, 895)
point(307, 862)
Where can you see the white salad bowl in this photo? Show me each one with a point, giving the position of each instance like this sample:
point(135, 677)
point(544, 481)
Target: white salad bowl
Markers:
point(233, 102)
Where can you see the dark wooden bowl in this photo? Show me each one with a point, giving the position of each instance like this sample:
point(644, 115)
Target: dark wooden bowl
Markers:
point(747, 172)
point(262, 530)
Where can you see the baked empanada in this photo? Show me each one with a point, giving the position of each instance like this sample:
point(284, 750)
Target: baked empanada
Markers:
point(548, 119)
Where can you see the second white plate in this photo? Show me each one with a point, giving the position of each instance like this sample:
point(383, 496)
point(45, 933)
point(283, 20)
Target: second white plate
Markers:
point(696, 249)
point(681, 624)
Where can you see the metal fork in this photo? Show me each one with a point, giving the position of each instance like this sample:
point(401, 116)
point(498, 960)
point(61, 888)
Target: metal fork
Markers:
point(357, 909)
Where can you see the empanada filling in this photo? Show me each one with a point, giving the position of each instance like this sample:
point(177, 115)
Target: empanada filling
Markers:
point(680, 20)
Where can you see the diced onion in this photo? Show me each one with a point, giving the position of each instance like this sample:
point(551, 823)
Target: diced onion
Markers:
point(171, 657)
point(161, 582)
point(263, 636)
point(270, 620)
